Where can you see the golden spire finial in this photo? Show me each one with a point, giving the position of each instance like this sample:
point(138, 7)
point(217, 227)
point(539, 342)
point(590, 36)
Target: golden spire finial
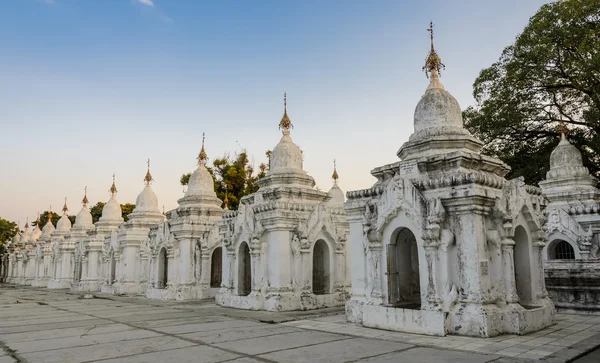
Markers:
point(148, 178)
point(27, 223)
point(50, 215)
point(285, 124)
point(563, 130)
point(113, 187)
point(202, 157)
point(65, 209)
point(226, 201)
point(335, 175)
point(37, 220)
point(433, 64)
point(85, 200)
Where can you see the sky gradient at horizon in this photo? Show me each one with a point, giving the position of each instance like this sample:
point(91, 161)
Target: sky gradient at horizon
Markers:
point(92, 88)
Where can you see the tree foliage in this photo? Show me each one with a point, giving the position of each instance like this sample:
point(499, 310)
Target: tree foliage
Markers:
point(234, 176)
point(55, 217)
point(8, 229)
point(96, 211)
point(550, 74)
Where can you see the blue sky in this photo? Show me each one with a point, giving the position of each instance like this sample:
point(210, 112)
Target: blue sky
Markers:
point(94, 87)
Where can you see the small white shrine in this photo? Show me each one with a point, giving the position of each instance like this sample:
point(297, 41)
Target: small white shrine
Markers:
point(442, 243)
point(285, 245)
point(573, 211)
point(97, 261)
point(131, 263)
point(73, 248)
point(43, 254)
point(61, 263)
point(184, 252)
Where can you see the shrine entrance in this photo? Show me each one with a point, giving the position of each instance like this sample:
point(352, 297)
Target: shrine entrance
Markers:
point(216, 267)
point(163, 268)
point(404, 284)
point(321, 270)
point(244, 270)
point(523, 266)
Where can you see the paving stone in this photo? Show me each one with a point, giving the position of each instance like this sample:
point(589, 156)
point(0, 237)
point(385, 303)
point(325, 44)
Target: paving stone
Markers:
point(61, 333)
point(196, 354)
point(225, 335)
point(280, 342)
point(191, 328)
point(107, 350)
point(429, 355)
point(337, 351)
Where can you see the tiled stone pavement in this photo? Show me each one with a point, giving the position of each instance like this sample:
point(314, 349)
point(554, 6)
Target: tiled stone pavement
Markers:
point(40, 325)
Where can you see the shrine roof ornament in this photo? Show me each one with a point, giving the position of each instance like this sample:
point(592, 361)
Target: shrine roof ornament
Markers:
point(562, 129)
point(285, 124)
point(148, 178)
point(113, 187)
point(335, 175)
point(85, 198)
point(65, 208)
point(433, 64)
point(202, 157)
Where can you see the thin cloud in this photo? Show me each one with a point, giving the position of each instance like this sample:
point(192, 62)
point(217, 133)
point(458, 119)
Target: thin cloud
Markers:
point(145, 2)
point(49, 2)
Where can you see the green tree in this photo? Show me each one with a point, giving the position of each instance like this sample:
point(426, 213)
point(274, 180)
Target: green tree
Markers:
point(55, 217)
point(551, 74)
point(126, 209)
point(8, 229)
point(234, 176)
point(96, 211)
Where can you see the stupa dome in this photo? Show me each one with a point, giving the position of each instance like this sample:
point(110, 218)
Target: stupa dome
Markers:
point(48, 227)
point(201, 182)
point(286, 156)
point(437, 108)
point(64, 224)
point(146, 201)
point(112, 210)
point(566, 161)
point(26, 234)
point(337, 195)
point(17, 238)
point(37, 232)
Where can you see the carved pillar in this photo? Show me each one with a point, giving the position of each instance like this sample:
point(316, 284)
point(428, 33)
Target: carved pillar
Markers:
point(431, 252)
point(374, 267)
point(508, 266)
point(340, 270)
point(255, 264)
point(205, 266)
point(305, 273)
point(539, 245)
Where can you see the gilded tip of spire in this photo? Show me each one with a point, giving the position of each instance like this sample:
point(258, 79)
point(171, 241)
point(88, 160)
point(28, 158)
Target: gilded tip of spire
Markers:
point(433, 64)
point(85, 199)
point(202, 157)
point(335, 175)
point(65, 209)
point(563, 130)
point(285, 124)
point(113, 187)
point(148, 178)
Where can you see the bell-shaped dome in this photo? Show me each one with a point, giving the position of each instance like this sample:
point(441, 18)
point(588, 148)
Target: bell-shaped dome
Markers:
point(84, 217)
point(201, 183)
point(566, 161)
point(26, 237)
point(64, 224)
point(36, 233)
point(437, 107)
point(337, 195)
point(147, 201)
point(48, 227)
point(17, 238)
point(286, 156)
point(112, 210)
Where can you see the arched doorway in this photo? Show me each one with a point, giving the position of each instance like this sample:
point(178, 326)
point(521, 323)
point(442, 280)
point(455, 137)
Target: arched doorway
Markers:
point(404, 283)
point(321, 270)
point(216, 270)
point(523, 266)
point(163, 268)
point(113, 268)
point(244, 270)
point(560, 250)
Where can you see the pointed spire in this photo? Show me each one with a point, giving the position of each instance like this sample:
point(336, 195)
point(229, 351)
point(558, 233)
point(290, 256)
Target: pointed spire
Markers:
point(37, 220)
point(85, 199)
point(113, 188)
point(148, 178)
point(202, 157)
point(563, 130)
point(285, 124)
point(49, 215)
point(335, 175)
point(226, 201)
point(65, 209)
point(27, 223)
point(433, 64)
point(163, 209)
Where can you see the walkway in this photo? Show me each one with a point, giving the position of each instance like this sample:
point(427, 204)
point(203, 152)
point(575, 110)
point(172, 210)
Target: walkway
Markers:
point(41, 325)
